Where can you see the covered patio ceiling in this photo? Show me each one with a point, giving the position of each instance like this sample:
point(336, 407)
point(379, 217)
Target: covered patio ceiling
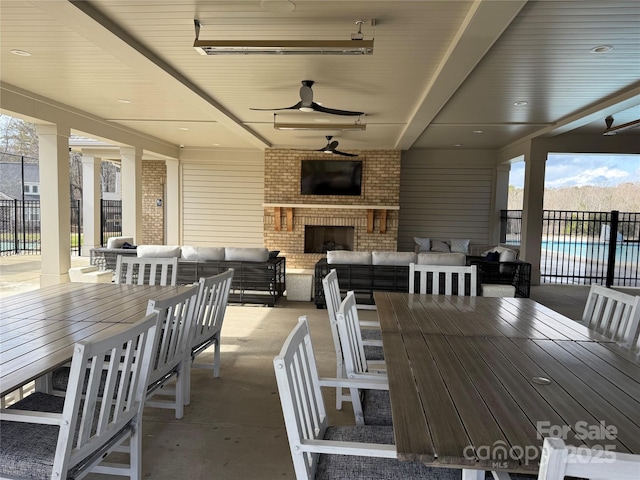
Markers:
point(442, 74)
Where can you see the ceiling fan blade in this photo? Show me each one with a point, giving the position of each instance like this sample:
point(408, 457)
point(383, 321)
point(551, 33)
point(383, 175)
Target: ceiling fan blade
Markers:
point(332, 146)
point(294, 107)
point(345, 154)
point(333, 111)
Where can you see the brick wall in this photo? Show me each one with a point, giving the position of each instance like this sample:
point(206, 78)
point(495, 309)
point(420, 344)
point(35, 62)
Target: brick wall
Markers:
point(380, 187)
point(154, 174)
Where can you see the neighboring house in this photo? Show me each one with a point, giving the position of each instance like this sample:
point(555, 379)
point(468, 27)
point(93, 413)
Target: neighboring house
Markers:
point(11, 181)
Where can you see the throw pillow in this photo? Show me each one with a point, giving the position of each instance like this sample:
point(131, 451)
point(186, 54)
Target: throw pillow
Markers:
point(424, 244)
point(460, 245)
point(438, 246)
point(493, 257)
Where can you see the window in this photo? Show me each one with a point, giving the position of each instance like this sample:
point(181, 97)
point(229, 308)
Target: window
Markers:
point(32, 188)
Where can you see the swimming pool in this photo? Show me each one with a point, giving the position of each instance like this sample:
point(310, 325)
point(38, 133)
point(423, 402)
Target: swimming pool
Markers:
point(625, 252)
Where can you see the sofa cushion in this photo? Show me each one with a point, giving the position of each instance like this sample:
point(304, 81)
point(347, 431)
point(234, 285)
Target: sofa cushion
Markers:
point(460, 245)
point(158, 251)
point(500, 249)
point(118, 242)
point(423, 243)
point(202, 253)
point(439, 246)
point(345, 256)
point(433, 258)
point(393, 258)
point(246, 254)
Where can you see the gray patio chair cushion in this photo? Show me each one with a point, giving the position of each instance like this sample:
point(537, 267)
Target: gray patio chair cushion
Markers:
point(370, 351)
point(332, 467)
point(27, 450)
point(376, 407)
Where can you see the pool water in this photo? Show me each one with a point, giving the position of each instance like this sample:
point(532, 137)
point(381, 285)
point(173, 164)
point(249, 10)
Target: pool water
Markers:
point(625, 252)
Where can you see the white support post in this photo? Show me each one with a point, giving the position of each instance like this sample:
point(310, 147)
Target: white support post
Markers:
point(131, 179)
point(55, 204)
point(91, 194)
point(172, 232)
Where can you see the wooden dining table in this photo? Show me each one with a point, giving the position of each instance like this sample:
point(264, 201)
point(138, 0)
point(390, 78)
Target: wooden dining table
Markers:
point(477, 383)
point(39, 328)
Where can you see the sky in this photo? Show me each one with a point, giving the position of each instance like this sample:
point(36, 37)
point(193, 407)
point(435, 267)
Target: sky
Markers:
point(572, 170)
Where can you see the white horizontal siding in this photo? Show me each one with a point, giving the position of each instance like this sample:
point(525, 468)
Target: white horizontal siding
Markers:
point(445, 195)
point(222, 198)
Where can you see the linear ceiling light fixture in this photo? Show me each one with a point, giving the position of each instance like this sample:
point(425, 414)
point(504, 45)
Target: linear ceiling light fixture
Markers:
point(356, 46)
point(356, 126)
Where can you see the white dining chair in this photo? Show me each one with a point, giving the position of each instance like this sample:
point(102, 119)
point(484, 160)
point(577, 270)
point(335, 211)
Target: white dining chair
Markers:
point(211, 306)
point(454, 279)
point(372, 340)
point(613, 314)
point(49, 436)
point(146, 270)
point(559, 461)
point(173, 353)
point(213, 297)
point(176, 315)
point(323, 452)
point(371, 407)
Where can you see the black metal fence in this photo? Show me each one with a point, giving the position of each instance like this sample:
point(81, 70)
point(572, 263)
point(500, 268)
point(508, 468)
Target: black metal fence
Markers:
point(20, 225)
point(584, 247)
point(110, 219)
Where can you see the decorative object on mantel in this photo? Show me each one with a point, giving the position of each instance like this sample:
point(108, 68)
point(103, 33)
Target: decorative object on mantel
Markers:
point(277, 211)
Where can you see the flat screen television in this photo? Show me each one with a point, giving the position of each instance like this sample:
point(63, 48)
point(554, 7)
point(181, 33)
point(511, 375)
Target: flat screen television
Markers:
point(331, 177)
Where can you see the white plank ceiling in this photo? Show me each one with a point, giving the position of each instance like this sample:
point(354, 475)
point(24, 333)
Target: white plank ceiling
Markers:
point(440, 71)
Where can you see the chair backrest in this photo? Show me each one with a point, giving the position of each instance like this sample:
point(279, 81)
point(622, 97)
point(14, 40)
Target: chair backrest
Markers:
point(333, 299)
point(350, 335)
point(176, 317)
point(116, 368)
point(303, 408)
point(147, 270)
point(612, 313)
point(213, 296)
point(559, 461)
point(449, 276)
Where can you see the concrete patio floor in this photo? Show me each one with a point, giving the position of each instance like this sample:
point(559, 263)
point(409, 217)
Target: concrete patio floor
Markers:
point(233, 429)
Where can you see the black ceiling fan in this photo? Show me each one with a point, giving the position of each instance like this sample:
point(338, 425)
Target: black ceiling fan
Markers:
point(306, 103)
point(611, 130)
point(331, 146)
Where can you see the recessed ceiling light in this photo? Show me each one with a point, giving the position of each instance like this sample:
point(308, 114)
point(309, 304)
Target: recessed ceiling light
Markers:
point(20, 53)
point(215, 144)
point(520, 103)
point(478, 131)
point(277, 5)
point(124, 100)
point(601, 49)
point(184, 129)
point(458, 145)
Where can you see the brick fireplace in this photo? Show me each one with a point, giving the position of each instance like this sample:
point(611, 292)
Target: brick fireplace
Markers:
point(372, 215)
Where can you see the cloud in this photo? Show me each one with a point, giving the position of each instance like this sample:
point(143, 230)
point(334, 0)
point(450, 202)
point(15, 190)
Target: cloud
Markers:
point(568, 170)
point(602, 176)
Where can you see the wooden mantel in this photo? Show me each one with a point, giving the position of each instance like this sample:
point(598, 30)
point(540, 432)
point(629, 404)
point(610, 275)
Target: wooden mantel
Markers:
point(371, 209)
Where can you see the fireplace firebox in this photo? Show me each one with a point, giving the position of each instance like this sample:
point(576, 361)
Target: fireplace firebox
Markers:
point(321, 239)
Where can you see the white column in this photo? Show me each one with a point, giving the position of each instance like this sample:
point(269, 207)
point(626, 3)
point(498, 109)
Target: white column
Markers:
point(501, 189)
point(131, 180)
point(55, 204)
point(172, 233)
point(91, 194)
point(535, 158)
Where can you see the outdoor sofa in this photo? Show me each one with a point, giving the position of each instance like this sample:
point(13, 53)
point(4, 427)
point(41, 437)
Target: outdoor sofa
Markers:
point(258, 278)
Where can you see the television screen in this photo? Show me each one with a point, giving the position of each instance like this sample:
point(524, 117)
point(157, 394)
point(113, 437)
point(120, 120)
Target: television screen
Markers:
point(331, 177)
